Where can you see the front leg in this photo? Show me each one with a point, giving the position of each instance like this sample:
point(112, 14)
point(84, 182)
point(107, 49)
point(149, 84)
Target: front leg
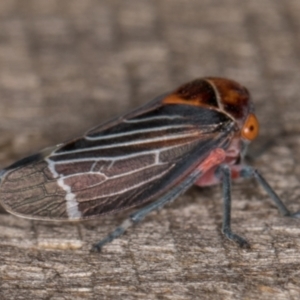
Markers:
point(248, 172)
point(225, 173)
point(226, 227)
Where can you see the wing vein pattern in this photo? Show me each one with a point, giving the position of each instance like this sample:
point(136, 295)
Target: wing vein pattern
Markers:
point(115, 166)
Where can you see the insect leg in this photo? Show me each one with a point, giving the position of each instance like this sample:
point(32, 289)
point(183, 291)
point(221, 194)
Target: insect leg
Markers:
point(226, 227)
point(248, 171)
point(143, 212)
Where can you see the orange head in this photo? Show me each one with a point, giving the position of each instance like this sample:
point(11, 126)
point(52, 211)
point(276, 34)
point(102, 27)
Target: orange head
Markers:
point(224, 95)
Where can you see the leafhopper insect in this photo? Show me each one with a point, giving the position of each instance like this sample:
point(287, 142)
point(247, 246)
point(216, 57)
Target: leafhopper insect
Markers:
point(197, 134)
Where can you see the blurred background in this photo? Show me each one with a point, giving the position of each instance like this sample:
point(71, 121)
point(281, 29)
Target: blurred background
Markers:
point(68, 65)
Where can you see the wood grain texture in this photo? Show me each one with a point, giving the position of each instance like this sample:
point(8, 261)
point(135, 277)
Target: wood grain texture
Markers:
point(68, 65)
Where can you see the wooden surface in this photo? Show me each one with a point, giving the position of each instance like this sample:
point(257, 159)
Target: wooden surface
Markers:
point(69, 65)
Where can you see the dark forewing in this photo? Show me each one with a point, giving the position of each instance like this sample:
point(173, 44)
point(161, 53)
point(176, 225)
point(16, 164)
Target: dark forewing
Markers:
point(120, 164)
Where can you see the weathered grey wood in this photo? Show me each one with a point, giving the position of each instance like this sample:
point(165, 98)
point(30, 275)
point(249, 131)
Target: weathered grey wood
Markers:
point(69, 65)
